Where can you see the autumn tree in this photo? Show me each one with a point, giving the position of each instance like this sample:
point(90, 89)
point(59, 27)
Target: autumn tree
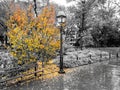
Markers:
point(33, 38)
point(7, 7)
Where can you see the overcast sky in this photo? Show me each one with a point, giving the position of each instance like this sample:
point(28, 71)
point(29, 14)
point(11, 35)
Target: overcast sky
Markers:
point(63, 2)
point(60, 2)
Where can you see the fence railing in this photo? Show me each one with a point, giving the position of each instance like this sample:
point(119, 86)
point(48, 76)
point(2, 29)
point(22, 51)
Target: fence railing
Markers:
point(9, 75)
point(110, 56)
point(17, 72)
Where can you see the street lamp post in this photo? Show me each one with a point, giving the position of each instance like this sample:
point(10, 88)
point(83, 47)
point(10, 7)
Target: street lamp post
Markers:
point(61, 19)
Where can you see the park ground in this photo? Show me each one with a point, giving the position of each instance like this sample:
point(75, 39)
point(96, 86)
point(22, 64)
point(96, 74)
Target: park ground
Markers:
point(94, 76)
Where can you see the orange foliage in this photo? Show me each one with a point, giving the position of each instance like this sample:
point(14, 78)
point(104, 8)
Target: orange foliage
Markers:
point(29, 35)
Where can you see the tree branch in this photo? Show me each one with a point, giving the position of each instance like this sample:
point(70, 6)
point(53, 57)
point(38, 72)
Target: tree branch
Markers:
point(35, 8)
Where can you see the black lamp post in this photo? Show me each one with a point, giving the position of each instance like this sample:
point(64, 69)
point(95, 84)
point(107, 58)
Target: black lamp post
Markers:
point(61, 19)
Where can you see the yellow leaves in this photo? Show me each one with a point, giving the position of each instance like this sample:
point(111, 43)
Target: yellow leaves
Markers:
point(32, 35)
point(41, 46)
point(13, 53)
point(30, 13)
point(19, 18)
point(50, 31)
point(55, 44)
point(16, 30)
point(39, 25)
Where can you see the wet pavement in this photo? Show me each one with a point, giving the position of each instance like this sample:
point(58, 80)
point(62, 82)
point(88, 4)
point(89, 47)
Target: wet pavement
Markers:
point(99, 76)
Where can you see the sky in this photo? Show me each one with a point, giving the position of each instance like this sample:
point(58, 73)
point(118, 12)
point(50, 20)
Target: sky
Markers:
point(63, 2)
point(60, 2)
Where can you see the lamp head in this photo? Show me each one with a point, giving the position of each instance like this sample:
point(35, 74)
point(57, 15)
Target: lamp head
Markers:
point(61, 17)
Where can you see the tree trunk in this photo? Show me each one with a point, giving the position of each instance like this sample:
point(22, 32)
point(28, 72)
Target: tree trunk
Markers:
point(35, 69)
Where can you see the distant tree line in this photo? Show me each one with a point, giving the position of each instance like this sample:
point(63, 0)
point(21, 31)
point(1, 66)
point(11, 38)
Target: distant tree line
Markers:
point(106, 36)
point(106, 25)
point(101, 19)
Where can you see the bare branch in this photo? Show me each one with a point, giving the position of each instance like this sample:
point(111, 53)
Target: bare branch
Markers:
point(35, 7)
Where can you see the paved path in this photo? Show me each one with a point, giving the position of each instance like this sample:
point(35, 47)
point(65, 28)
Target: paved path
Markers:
point(90, 77)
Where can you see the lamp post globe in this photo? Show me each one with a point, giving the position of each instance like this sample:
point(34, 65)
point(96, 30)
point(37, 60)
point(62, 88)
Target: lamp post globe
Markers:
point(61, 19)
